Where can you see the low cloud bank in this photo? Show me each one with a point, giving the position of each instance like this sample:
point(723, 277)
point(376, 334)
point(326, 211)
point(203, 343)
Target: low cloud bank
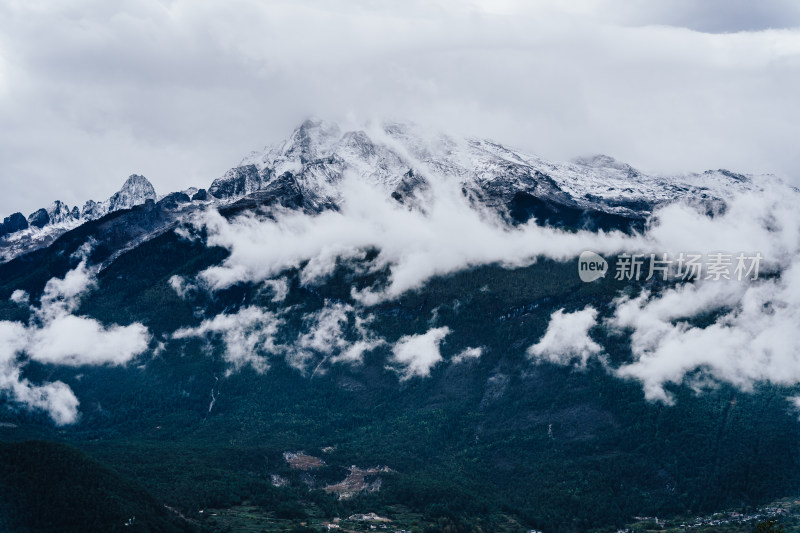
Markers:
point(753, 334)
point(751, 338)
point(55, 335)
point(749, 329)
point(444, 235)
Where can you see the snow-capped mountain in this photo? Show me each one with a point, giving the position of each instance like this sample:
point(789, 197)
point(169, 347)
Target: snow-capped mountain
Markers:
point(307, 169)
point(469, 339)
point(19, 234)
point(135, 191)
point(398, 156)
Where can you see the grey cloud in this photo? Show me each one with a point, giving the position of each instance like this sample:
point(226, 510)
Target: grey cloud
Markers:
point(181, 91)
point(716, 16)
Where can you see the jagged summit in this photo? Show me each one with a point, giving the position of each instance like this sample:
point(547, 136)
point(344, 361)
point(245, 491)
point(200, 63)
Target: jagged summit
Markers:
point(307, 169)
point(136, 190)
point(318, 154)
point(46, 223)
point(59, 212)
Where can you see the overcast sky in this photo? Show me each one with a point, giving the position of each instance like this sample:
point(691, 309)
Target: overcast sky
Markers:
point(181, 91)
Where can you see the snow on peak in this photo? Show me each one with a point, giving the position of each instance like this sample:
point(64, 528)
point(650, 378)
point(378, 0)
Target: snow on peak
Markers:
point(59, 212)
point(318, 153)
point(136, 190)
point(45, 223)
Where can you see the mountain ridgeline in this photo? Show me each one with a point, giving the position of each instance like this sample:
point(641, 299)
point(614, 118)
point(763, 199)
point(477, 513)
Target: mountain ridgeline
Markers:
point(187, 437)
point(307, 171)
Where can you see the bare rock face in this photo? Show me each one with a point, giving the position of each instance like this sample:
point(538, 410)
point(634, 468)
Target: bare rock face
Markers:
point(13, 223)
point(59, 212)
point(200, 196)
point(39, 218)
point(239, 181)
point(92, 210)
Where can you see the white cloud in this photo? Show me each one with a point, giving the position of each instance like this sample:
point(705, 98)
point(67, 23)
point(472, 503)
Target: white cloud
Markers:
point(354, 352)
point(567, 339)
point(752, 335)
point(336, 333)
point(56, 336)
point(249, 336)
point(366, 341)
point(180, 286)
point(794, 401)
point(467, 354)
point(326, 333)
point(416, 355)
point(445, 236)
point(763, 220)
point(74, 341)
point(326, 336)
point(20, 297)
point(56, 398)
point(62, 295)
point(753, 339)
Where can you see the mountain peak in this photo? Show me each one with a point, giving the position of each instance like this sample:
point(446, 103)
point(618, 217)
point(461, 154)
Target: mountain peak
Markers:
point(135, 181)
point(311, 140)
point(136, 190)
point(59, 212)
point(319, 153)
